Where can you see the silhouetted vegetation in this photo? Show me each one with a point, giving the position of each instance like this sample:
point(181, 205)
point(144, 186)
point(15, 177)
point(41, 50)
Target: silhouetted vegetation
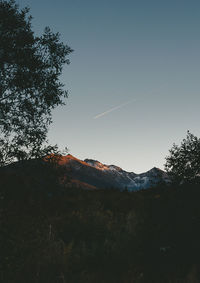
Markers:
point(51, 233)
point(183, 162)
point(30, 68)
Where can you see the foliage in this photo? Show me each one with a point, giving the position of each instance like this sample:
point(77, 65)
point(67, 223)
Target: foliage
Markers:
point(50, 233)
point(183, 163)
point(30, 67)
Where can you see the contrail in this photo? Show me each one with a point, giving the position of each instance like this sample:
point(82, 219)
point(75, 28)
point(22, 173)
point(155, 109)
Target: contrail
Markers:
point(124, 104)
point(113, 109)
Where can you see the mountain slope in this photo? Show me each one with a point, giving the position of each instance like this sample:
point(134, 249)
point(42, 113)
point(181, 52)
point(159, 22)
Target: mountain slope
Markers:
point(98, 175)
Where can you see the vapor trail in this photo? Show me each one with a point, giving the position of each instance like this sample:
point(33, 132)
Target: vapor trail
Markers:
point(130, 101)
point(113, 109)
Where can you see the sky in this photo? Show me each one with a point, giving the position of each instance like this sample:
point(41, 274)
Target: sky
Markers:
point(133, 81)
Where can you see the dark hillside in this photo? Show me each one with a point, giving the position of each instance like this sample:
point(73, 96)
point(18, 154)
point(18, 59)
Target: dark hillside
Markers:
point(54, 234)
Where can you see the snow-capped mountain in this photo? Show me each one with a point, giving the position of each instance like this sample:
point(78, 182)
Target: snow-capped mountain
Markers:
point(93, 174)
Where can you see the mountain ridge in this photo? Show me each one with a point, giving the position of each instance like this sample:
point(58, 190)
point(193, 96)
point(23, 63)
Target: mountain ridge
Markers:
point(99, 175)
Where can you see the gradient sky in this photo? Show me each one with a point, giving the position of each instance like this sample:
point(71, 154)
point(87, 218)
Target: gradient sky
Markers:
point(140, 59)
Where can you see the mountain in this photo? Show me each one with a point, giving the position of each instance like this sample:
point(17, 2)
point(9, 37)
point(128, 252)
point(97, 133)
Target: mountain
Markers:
point(94, 174)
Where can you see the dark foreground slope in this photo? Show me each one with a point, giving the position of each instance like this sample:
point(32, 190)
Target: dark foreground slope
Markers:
point(52, 234)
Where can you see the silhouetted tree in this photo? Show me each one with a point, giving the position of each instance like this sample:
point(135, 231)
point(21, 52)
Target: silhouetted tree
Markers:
point(30, 67)
point(183, 162)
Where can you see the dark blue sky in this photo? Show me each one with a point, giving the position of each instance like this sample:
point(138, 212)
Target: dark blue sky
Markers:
point(140, 59)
